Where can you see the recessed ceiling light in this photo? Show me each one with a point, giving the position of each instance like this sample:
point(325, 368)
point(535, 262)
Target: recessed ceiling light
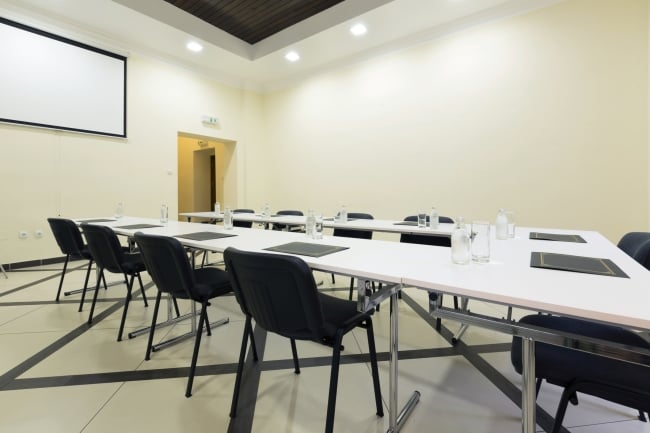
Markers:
point(292, 56)
point(194, 46)
point(358, 29)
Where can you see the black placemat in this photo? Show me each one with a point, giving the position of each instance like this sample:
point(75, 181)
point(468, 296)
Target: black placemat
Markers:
point(98, 220)
point(557, 237)
point(406, 223)
point(204, 236)
point(306, 249)
point(585, 265)
point(138, 226)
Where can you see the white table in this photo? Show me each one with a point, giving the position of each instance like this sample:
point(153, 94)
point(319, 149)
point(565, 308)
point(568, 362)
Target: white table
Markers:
point(507, 279)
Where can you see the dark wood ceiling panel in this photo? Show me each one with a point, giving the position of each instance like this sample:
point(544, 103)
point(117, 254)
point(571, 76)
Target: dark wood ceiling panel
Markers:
point(253, 20)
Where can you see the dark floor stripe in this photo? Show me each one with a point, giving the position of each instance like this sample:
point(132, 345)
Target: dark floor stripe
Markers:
point(543, 418)
point(42, 280)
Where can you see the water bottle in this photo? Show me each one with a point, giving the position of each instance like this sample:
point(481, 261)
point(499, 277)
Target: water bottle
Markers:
point(434, 219)
point(460, 244)
point(502, 225)
point(217, 208)
point(164, 214)
point(266, 210)
point(119, 210)
point(343, 214)
point(310, 223)
point(227, 219)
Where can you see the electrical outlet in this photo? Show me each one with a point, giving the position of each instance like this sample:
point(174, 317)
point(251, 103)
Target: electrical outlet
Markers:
point(38, 233)
point(22, 234)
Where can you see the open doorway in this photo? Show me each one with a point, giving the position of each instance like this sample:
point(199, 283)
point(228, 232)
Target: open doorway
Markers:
point(206, 173)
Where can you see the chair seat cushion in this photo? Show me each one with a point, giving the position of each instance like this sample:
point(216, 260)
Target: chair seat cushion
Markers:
point(337, 311)
point(210, 283)
point(133, 263)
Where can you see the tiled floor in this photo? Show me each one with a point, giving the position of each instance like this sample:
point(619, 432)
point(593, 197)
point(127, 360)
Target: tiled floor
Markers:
point(59, 375)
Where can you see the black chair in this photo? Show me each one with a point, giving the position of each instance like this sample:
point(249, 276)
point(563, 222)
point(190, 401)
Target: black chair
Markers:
point(358, 234)
point(280, 293)
point(69, 239)
point(288, 227)
point(576, 371)
point(170, 269)
point(637, 246)
point(437, 240)
point(110, 256)
point(245, 224)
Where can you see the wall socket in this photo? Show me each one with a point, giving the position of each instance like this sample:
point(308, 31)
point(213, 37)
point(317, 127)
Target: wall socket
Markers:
point(38, 233)
point(22, 234)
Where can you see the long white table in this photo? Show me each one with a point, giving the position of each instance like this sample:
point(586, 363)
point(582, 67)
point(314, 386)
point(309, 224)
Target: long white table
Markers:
point(507, 279)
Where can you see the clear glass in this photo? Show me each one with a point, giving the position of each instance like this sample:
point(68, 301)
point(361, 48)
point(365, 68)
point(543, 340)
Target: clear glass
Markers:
point(480, 241)
point(422, 219)
point(310, 222)
point(501, 225)
point(460, 243)
point(217, 208)
point(318, 226)
point(227, 219)
point(119, 210)
point(266, 210)
point(343, 214)
point(434, 218)
point(511, 224)
point(164, 214)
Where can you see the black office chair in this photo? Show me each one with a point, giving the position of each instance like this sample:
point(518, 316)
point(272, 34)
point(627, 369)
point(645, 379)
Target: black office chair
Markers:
point(69, 239)
point(576, 371)
point(288, 227)
point(110, 256)
point(637, 246)
point(170, 269)
point(245, 224)
point(437, 240)
point(280, 293)
point(358, 234)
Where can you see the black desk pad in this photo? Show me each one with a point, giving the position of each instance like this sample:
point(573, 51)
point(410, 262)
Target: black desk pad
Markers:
point(204, 236)
point(306, 249)
point(138, 226)
point(557, 237)
point(98, 220)
point(585, 265)
point(406, 223)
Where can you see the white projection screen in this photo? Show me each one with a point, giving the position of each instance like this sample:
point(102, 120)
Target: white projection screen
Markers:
point(53, 82)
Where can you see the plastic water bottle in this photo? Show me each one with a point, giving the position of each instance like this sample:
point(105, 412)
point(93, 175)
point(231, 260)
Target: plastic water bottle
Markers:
point(343, 214)
point(434, 219)
point(310, 223)
point(164, 214)
point(217, 208)
point(460, 244)
point(502, 225)
point(227, 219)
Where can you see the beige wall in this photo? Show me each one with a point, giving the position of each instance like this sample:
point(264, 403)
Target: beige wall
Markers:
point(544, 113)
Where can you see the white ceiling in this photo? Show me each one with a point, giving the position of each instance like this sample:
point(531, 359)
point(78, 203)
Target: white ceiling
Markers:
point(323, 41)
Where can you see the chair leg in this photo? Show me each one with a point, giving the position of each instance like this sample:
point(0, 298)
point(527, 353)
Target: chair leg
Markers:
point(294, 352)
point(156, 306)
point(92, 306)
point(333, 281)
point(144, 297)
point(351, 288)
point(65, 267)
point(240, 368)
point(334, 379)
point(373, 366)
point(561, 409)
point(178, 313)
point(195, 355)
point(253, 346)
point(129, 286)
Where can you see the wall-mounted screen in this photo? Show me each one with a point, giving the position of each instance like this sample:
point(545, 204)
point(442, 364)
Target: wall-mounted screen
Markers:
point(54, 82)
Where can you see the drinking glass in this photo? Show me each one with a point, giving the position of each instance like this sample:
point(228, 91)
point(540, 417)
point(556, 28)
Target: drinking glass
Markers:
point(511, 224)
point(422, 219)
point(227, 219)
point(318, 226)
point(480, 241)
point(164, 214)
point(119, 210)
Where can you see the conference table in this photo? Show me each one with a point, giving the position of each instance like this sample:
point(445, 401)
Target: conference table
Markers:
point(507, 279)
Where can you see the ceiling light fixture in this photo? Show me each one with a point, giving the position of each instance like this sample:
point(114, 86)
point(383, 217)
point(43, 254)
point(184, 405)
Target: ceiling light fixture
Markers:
point(194, 46)
point(292, 56)
point(358, 29)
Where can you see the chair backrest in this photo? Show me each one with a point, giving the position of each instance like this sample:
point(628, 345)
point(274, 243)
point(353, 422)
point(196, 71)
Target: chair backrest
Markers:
point(278, 291)
point(286, 212)
point(67, 235)
point(637, 246)
point(439, 241)
point(167, 264)
point(246, 224)
point(359, 234)
point(104, 247)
